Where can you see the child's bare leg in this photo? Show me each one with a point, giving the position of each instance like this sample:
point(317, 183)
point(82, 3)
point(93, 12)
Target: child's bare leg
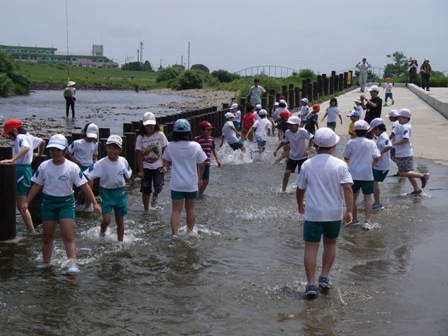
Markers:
point(203, 187)
point(20, 199)
point(145, 200)
point(175, 215)
point(88, 203)
point(355, 206)
point(368, 207)
point(119, 221)
point(191, 217)
point(376, 192)
point(68, 235)
point(309, 259)
point(328, 255)
point(49, 229)
point(285, 180)
point(105, 223)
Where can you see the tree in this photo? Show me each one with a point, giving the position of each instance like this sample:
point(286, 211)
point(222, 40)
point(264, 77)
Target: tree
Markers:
point(224, 76)
point(306, 73)
point(11, 82)
point(200, 67)
point(169, 73)
point(137, 66)
point(399, 67)
point(190, 79)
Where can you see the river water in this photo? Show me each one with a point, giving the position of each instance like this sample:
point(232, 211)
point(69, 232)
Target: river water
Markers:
point(243, 273)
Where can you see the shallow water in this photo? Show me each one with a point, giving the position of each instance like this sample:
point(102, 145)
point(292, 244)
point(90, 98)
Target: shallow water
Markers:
point(243, 273)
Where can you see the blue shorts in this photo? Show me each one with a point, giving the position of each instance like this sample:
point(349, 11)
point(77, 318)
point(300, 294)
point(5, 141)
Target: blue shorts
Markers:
point(236, 145)
point(24, 172)
point(331, 124)
point(206, 175)
point(152, 177)
point(113, 199)
point(379, 175)
point(313, 231)
point(366, 187)
point(180, 195)
point(57, 208)
point(261, 144)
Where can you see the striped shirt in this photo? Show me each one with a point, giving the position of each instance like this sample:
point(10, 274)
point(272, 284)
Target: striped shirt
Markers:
point(207, 144)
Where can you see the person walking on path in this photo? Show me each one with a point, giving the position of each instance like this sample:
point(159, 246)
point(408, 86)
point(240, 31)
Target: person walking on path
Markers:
point(255, 93)
point(69, 95)
point(326, 181)
point(332, 112)
point(373, 105)
point(425, 71)
point(413, 69)
point(363, 68)
point(388, 87)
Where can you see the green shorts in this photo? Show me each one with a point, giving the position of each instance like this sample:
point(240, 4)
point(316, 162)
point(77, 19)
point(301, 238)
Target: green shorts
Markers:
point(365, 186)
point(83, 168)
point(206, 175)
point(379, 175)
point(24, 172)
point(57, 208)
point(236, 145)
point(392, 151)
point(113, 199)
point(388, 95)
point(180, 195)
point(313, 231)
point(331, 124)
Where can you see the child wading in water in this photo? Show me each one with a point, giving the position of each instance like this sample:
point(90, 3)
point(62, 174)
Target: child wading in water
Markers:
point(112, 171)
point(149, 147)
point(56, 177)
point(187, 159)
point(22, 158)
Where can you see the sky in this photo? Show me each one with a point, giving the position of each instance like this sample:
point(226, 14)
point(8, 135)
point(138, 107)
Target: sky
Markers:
point(322, 35)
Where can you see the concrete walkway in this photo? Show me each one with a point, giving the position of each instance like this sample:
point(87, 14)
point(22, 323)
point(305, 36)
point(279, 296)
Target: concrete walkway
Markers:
point(429, 127)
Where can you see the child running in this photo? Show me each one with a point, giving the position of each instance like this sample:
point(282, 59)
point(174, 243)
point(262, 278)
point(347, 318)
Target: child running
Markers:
point(237, 120)
point(22, 156)
point(388, 87)
point(56, 177)
point(248, 121)
point(332, 112)
point(393, 118)
point(149, 147)
point(312, 119)
point(231, 135)
point(326, 181)
point(304, 110)
point(112, 171)
point(207, 143)
point(84, 152)
point(187, 159)
point(261, 128)
point(381, 168)
point(296, 137)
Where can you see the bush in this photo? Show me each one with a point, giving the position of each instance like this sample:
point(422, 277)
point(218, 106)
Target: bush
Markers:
point(224, 76)
point(190, 79)
point(306, 73)
point(6, 85)
point(168, 73)
point(200, 67)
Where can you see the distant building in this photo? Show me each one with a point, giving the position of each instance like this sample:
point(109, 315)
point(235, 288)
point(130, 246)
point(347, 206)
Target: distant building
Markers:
point(48, 55)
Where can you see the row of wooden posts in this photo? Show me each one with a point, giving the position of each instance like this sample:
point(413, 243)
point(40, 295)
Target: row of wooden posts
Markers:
point(323, 86)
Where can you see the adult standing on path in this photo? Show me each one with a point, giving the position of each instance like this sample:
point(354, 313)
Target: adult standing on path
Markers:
point(363, 67)
point(256, 92)
point(425, 71)
point(69, 95)
point(413, 68)
point(373, 105)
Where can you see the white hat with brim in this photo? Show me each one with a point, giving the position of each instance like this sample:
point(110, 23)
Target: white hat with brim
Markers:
point(405, 112)
point(92, 131)
point(374, 88)
point(325, 137)
point(149, 119)
point(374, 123)
point(71, 83)
point(305, 100)
point(115, 140)
point(58, 141)
point(361, 125)
point(229, 115)
point(234, 106)
point(392, 114)
point(294, 120)
point(358, 101)
point(263, 112)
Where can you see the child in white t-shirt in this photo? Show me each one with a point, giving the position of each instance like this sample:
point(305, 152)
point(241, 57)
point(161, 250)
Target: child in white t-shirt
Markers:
point(84, 152)
point(363, 155)
point(112, 171)
point(187, 160)
point(304, 110)
point(358, 107)
point(388, 87)
point(261, 128)
point(56, 178)
point(237, 120)
point(393, 118)
point(230, 134)
point(332, 112)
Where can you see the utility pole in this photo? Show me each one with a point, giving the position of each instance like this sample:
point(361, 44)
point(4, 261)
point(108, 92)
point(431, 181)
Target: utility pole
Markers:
point(188, 55)
point(141, 52)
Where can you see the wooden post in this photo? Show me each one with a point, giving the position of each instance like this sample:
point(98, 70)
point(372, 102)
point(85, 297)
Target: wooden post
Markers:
point(5, 153)
point(297, 97)
point(8, 201)
point(332, 82)
point(285, 92)
point(341, 82)
point(131, 137)
point(291, 101)
point(128, 127)
point(325, 83)
point(104, 132)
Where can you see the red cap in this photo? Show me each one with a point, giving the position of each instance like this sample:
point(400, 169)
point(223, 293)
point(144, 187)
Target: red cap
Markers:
point(284, 114)
point(316, 108)
point(10, 125)
point(388, 78)
point(205, 125)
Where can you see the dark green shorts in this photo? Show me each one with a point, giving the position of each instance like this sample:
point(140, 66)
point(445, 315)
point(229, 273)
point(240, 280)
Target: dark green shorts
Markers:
point(236, 145)
point(379, 175)
point(113, 199)
point(180, 195)
point(313, 231)
point(206, 175)
point(365, 186)
point(56, 208)
point(331, 124)
point(23, 175)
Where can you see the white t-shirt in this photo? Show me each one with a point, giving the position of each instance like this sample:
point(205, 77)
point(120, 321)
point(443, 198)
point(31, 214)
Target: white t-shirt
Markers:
point(58, 180)
point(151, 148)
point(388, 87)
point(260, 128)
point(381, 143)
point(333, 113)
point(184, 156)
point(304, 112)
point(34, 141)
point(21, 142)
point(83, 151)
point(358, 108)
point(237, 116)
point(229, 133)
point(360, 151)
point(111, 173)
point(395, 127)
point(322, 176)
point(297, 142)
point(404, 132)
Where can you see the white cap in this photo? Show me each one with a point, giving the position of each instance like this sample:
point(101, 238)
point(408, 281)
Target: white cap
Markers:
point(282, 101)
point(115, 139)
point(353, 113)
point(375, 122)
point(229, 115)
point(58, 141)
point(325, 137)
point(405, 112)
point(258, 107)
point(149, 119)
point(294, 120)
point(92, 131)
point(361, 125)
point(305, 100)
point(374, 88)
point(262, 112)
point(71, 83)
point(276, 104)
point(392, 113)
point(358, 101)
point(234, 106)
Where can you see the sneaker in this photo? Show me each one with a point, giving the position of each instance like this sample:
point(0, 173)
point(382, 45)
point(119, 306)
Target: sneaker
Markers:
point(73, 268)
point(32, 234)
point(310, 292)
point(354, 222)
point(154, 201)
point(367, 226)
point(324, 283)
point(385, 104)
point(424, 180)
point(377, 207)
point(415, 193)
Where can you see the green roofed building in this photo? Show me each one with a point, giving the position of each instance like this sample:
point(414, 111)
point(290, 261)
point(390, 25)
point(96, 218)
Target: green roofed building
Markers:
point(48, 55)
